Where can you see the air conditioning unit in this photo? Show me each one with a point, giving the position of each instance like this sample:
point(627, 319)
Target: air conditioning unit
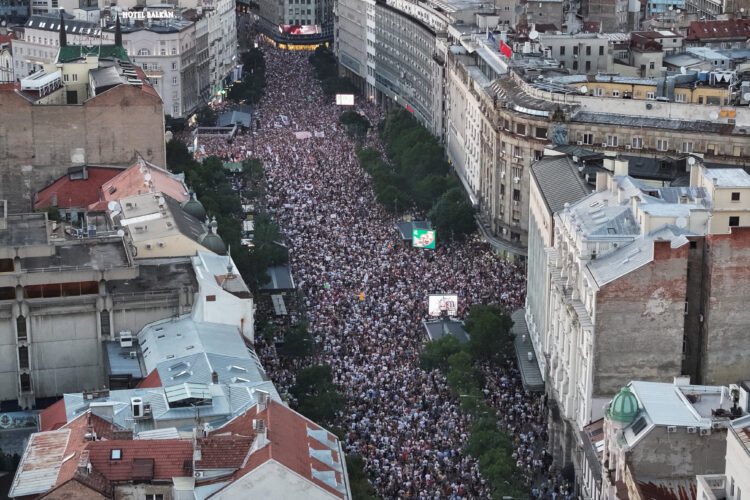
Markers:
point(259, 425)
point(515, 203)
point(505, 230)
point(580, 143)
point(628, 146)
point(604, 144)
point(691, 430)
point(126, 338)
point(133, 354)
point(672, 428)
point(516, 179)
point(198, 473)
point(136, 404)
point(715, 425)
point(705, 432)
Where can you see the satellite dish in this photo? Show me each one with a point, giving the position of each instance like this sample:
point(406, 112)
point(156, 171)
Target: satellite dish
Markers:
point(683, 70)
point(714, 115)
point(680, 222)
point(678, 11)
point(120, 233)
point(746, 96)
point(113, 205)
point(519, 9)
point(533, 35)
point(147, 177)
point(583, 89)
point(649, 105)
point(691, 160)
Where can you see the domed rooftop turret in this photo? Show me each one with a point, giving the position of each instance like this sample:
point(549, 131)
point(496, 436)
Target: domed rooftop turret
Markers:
point(213, 241)
point(194, 207)
point(624, 406)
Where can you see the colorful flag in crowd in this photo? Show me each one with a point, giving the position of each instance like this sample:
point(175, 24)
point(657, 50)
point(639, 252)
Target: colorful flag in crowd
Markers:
point(490, 36)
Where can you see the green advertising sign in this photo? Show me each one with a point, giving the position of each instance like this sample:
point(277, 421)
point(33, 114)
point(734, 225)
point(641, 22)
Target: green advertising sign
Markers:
point(423, 238)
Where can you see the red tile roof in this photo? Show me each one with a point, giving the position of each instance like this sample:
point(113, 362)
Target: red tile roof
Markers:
point(169, 456)
point(223, 452)
point(53, 417)
point(67, 193)
point(708, 30)
point(592, 26)
point(288, 442)
point(132, 181)
point(151, 381)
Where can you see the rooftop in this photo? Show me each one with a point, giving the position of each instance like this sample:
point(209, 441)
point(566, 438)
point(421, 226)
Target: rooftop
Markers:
point(92, 253)
point(728, 177)
point(24, 230)
point(71, 53)
point(559, 181)
point(439, 328)
point(155, 277)
point(139, 178)
point(648, 122)
point(76, 189)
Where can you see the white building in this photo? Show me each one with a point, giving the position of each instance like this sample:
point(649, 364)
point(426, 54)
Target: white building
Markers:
point(736, 477)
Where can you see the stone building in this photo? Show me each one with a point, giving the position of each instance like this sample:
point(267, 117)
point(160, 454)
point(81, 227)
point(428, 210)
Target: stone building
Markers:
point(734, 479)
point(39, 142)
point(659, 436)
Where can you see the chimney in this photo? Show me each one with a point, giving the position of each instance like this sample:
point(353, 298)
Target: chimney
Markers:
point(214, 377)
point(621, 166)
point(262, 400)
point(601, 181)
point(84, 464)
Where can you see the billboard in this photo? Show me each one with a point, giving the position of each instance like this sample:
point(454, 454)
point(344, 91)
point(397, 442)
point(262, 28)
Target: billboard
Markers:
point(442, 305)
point(423, 238)
point(295, 29)
point(344, 99)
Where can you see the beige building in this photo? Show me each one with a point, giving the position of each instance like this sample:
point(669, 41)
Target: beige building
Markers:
point(734, 479)
point(158, 227)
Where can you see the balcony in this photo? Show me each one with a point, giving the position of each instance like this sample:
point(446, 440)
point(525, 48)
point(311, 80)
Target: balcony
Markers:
point(712, 487)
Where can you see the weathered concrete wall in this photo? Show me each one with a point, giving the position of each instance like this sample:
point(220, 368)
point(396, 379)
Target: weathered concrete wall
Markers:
point(639, 323)
point(693, 325)
point(73, 490)
point(727, 315)
point(669, 455)
point(38, 143)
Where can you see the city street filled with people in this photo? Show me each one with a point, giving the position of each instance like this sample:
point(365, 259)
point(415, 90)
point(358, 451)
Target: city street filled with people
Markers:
point(365, 294)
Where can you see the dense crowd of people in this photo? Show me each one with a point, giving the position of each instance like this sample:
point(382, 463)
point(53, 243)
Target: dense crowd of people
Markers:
point(366, 296)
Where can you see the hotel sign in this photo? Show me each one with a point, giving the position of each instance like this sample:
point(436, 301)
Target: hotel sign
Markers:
point(147, 14)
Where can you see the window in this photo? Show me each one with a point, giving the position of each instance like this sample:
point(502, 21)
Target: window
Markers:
point(734, 221)
point(700, 100)
point(598, 91)
point(516, 195)
point(174, 66)
point(75, 77)
point(651, 65)
point(615, 93)
point(104, 322)
point(612, 141)
point(164, 52)
point(735, 196)
point(575, 50)
point(588, 65)
point(662, 144)
point(174, 51)
point(538, 154)
point(154, 496)
point(587, 138)
point(541, 133)
point(65, 77)
point(176, 109)
point(520, 129)
point(601, 50)
point(731, 488)
point(588, 50)
point(115, 454)
point(516, 173)
point(174, 80)
point(651, 95)
point(23, 357)
point(25, 382)
point(517, 152)
point(21, 327)
point(575, 65)
point(737, 151)
point(637, 142)
point(144, 52)
point(680, 98)
point(638, 426)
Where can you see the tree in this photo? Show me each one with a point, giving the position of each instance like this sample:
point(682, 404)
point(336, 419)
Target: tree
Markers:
point(489, 333)
point(316, 394)
point(452, 216)
point(252, 169)
point(436, 353)
point(462, 377)
point(355, 124)
point(297, 342)
point(360, 485)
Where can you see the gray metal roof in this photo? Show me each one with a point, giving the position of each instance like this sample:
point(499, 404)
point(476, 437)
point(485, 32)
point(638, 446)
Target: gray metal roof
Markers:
point(37, 472)
point(650, 122)
point(559, 181)
point(120, 362)
point(280, 278)
point(531, 376)
point(406, 228)
point(624, 260)
point(728, 177)
point(437, 329)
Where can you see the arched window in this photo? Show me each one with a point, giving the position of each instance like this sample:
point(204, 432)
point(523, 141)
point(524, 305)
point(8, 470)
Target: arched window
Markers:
point(144, 52)
point(21, 327)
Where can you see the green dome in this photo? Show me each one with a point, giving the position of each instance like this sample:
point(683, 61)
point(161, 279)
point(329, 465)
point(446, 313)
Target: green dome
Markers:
point(213, 241)
point(195, 208)
point(624, 406)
